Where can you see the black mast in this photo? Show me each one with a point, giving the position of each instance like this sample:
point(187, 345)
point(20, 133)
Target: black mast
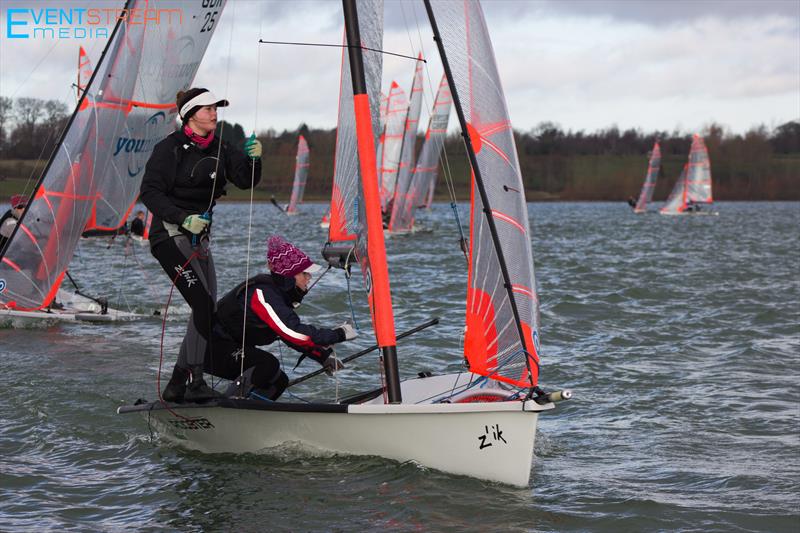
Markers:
point(473, 161)
point(389, 353)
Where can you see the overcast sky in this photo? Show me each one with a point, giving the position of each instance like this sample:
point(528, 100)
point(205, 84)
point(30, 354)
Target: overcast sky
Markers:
point(582, 64)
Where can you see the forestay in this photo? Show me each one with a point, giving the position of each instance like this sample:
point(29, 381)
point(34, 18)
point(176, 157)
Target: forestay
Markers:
point(494, 344)
point(300, 175)
point(427, 166)
point(346, 197)
point(646, 195)
point(406, 166)
point(92, 179)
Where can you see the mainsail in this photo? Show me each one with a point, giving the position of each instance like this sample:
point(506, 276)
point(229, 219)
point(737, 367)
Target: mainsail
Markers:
point(426, 169)
point(502, 323)
point(694, 185)
point(346, 197)
point(300, 175)
point(396, 109)
point(406, 167)
point(646, 195)
point(93, 177)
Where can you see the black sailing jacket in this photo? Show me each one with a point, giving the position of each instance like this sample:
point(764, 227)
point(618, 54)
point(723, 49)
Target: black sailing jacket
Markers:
point(271, 316)
point(180, 177)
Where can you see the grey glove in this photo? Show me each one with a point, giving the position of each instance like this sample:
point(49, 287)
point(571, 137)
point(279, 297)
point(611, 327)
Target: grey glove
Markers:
point(350, 332)
point(332, 365)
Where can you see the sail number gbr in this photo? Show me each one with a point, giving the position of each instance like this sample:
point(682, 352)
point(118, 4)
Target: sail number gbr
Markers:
point(210, 16)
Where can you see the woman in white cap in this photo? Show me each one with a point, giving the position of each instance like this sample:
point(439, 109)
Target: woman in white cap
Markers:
point(266, 304)
point(183, 178)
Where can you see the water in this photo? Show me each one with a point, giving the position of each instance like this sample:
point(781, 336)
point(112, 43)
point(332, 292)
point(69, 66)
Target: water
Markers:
point(680, 337)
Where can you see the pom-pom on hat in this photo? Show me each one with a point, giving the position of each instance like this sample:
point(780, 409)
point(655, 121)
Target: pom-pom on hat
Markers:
point(18, 200)
point(286, 259)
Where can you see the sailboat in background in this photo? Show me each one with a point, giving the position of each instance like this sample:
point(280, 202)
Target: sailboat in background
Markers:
point(92, 179)
point(421, 183)
point(300, 176)
point(480, 422)
point(693, 188)
point(392, 142)
point(646, 194)
point(405, 169)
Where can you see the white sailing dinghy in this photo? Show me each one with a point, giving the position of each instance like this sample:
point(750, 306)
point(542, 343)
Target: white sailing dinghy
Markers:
point(480, 423)
point(646, 194)
point(300, 176)
point(692, 191)
point(92, 179)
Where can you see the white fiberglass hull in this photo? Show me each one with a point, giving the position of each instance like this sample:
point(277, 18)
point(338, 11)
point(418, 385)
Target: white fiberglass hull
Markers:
point(75, 308)
point(486, 440)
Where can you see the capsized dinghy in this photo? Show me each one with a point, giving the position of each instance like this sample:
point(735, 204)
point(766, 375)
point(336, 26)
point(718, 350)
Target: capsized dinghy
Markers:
point(480, 423)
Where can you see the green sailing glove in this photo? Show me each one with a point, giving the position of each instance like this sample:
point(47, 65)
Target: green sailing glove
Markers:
point(252, 147)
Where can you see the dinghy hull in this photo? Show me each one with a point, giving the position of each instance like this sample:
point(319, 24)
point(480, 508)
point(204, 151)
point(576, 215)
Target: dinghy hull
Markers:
point(486, 440)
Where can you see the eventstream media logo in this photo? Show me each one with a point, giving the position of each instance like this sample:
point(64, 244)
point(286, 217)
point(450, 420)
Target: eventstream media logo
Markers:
point(80, 23)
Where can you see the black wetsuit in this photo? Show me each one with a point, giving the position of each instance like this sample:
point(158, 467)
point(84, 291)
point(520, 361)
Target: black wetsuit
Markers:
point(137, 227)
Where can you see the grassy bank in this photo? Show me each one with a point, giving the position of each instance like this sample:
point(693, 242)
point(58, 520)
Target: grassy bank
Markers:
point(546, 177)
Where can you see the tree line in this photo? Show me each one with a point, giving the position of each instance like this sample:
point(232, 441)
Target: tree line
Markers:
point(609, 164)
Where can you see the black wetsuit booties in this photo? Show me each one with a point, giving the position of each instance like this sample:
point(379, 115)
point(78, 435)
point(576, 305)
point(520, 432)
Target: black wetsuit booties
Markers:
point(270, 303)
point(182, 179)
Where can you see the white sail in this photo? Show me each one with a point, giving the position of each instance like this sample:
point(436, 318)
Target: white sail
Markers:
point(405, 169)
point(300, 175)
point(693, 188)
point(646, 194)
point(495, 344)
point(92, 180)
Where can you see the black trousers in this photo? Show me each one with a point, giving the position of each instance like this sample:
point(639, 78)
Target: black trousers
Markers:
point(224, 361)
point(197, 283)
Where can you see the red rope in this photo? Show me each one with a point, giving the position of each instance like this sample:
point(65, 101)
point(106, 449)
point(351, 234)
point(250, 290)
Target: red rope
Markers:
point(163, 331)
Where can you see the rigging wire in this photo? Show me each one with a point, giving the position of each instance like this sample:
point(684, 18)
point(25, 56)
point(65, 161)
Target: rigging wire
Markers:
point(446, 170)
point(250, 211)
point(327, 45)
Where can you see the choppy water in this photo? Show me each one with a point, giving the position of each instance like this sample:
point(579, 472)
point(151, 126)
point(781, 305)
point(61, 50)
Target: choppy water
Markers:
point(680, 337)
